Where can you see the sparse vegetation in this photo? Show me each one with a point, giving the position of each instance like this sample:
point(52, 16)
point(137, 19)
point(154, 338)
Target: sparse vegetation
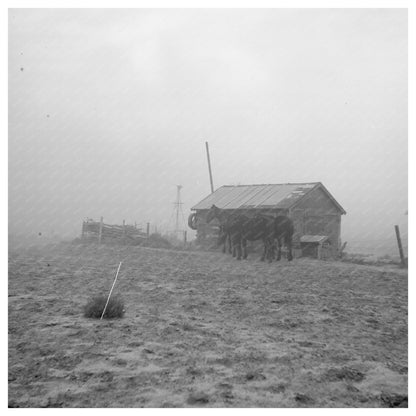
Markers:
point(370, 259)
point(156, 240)
point(95, 306)
point(204, 330)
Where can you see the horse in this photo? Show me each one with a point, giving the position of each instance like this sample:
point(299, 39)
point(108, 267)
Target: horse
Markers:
point(239, 228)
point(224, 238)
point(283, 234)
point(225, 219)
point(278, 229)
point(259, 227)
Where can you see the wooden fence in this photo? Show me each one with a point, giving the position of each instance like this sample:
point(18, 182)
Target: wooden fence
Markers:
point(127, 234)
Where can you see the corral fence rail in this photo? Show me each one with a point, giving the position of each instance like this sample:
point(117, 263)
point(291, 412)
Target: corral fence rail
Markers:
point(99, 231)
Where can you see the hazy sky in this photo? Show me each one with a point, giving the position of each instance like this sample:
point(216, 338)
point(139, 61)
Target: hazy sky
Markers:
point(109, 110)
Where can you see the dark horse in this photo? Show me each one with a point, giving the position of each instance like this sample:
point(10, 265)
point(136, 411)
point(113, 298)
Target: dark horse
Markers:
point(283, 233)
point(226, 225)
point(224, 238)
point(239, 227)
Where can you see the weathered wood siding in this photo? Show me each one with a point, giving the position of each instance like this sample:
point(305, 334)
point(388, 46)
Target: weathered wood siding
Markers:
point(316, 214)
point(207, 234)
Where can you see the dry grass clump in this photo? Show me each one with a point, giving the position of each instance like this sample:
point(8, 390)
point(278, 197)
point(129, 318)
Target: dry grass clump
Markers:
point(370, 259)
point(156, 240)
point(95, 306)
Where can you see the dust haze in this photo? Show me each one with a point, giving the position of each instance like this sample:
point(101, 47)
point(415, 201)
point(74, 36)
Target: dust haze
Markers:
point(109, 110)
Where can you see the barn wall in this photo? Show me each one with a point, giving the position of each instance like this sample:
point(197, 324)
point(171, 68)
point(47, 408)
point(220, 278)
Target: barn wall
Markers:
point(317, 202)
point(207, 234)
point(316, 214)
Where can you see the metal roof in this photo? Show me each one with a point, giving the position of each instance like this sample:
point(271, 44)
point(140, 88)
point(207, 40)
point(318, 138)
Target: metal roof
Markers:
point(256, 196)
point(319, 239)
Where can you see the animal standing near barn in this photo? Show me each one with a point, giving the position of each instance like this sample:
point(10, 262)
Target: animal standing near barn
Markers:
point(313, 211)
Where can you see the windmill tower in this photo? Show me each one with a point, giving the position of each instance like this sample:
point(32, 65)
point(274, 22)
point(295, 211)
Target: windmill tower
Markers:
point(178, 212)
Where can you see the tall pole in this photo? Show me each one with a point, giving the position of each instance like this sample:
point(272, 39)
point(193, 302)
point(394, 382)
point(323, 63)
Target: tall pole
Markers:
point(178, 207)
point(209, 168)
point(399, 243)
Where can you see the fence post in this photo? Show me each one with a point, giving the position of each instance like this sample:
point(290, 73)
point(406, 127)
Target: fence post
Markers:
point(100, 232)
point(124, 232)
point(148, 229)
point(341, 251)
point(399, 243)
point(82, 231)
point(184, 237)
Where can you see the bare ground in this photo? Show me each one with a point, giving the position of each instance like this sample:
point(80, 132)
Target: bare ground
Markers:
point(204, 330)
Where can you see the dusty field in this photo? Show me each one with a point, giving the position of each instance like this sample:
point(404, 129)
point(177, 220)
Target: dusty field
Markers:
point(204, 330)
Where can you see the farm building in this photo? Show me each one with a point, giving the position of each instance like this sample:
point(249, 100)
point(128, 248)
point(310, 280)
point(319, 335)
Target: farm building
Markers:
point(314, 211)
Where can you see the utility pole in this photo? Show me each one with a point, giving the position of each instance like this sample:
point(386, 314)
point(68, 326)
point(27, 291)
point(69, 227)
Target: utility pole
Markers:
point(209, 168)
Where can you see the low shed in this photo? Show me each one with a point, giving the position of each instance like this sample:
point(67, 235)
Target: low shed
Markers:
point(314, 211)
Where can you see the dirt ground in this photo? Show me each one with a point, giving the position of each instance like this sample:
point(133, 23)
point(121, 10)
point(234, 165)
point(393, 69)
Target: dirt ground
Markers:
point(202, 329)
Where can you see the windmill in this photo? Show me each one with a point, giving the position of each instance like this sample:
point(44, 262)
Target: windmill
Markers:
point(179, 230)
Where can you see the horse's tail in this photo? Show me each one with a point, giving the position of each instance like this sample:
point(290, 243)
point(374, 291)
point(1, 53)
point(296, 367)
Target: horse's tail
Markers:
point(291, 228)
point(192, 219)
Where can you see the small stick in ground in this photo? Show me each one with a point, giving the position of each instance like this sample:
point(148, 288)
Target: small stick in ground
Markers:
point(109, 295)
